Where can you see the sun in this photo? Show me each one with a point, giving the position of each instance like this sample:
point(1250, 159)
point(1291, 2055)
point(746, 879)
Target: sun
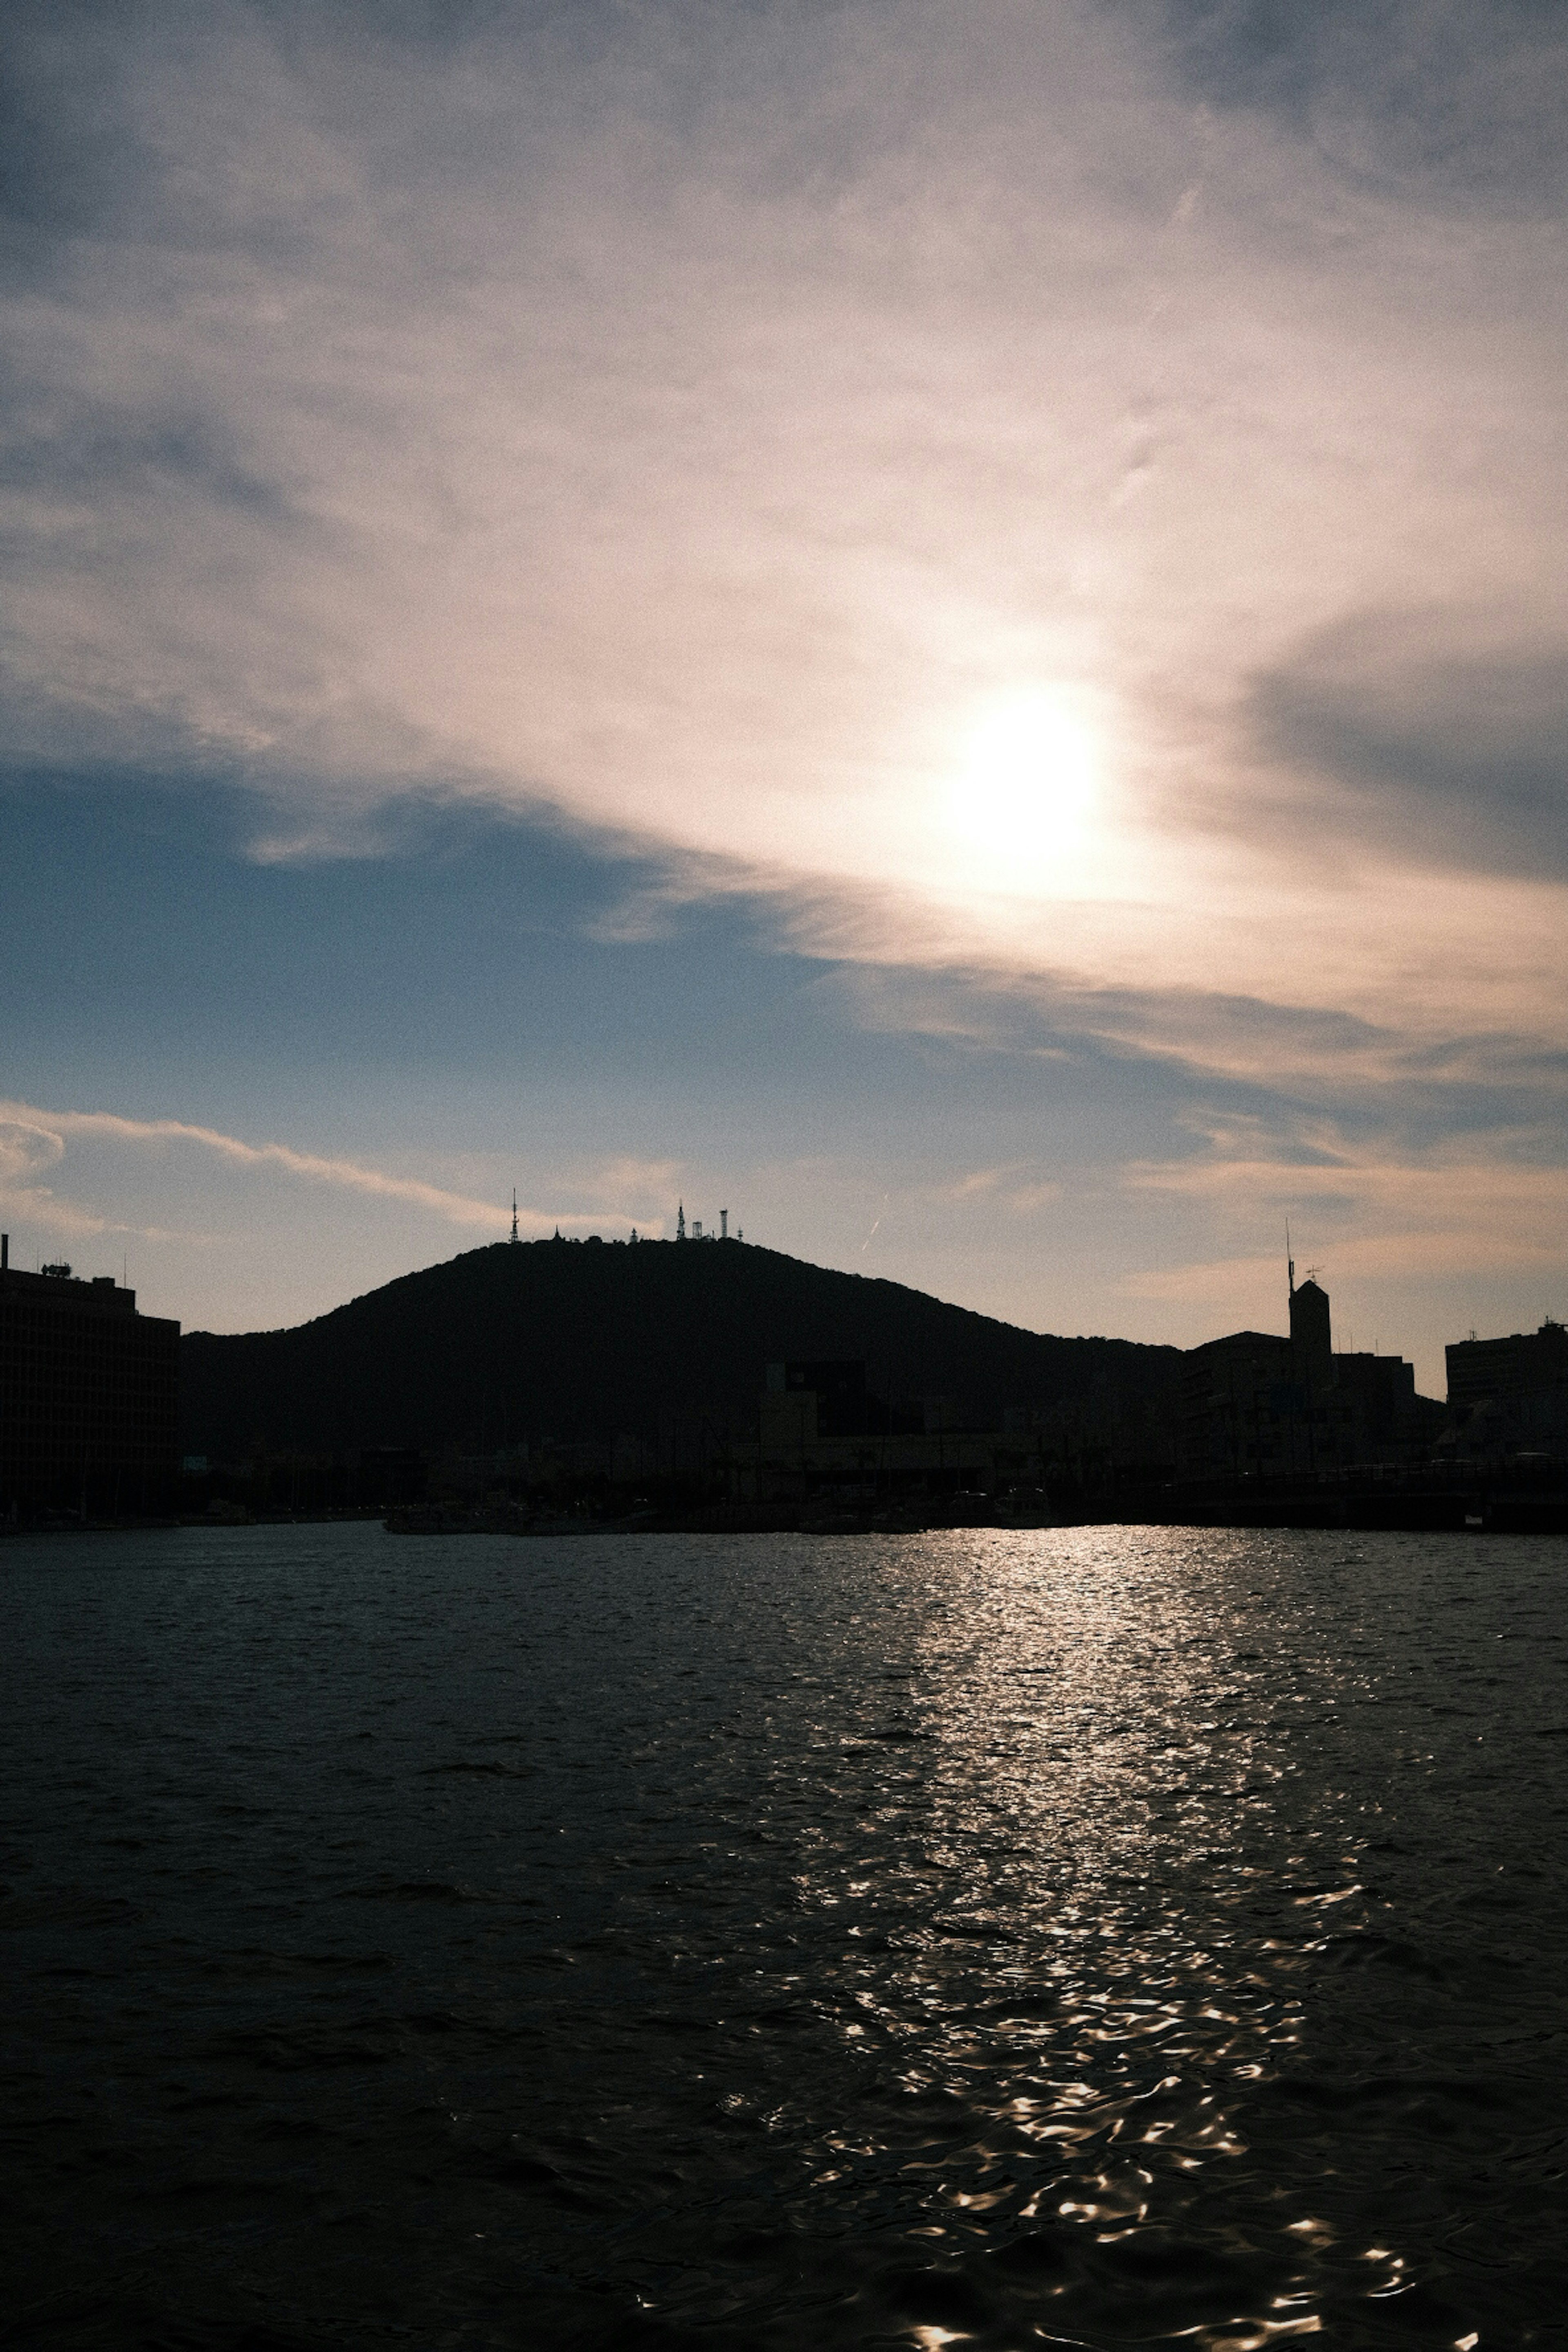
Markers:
point(1026, 782)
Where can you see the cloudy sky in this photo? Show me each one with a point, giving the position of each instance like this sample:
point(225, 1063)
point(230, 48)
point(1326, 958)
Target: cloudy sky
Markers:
point(945, 627)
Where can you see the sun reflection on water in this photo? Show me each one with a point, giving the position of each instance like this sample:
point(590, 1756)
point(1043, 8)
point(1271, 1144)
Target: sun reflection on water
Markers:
point(1060, 1959)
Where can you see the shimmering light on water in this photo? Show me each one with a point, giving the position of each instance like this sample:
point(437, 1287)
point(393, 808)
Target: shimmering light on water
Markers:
point(1094, 1937)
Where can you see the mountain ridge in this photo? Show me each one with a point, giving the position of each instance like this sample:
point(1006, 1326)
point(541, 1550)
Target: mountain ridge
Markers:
point(587, 1339)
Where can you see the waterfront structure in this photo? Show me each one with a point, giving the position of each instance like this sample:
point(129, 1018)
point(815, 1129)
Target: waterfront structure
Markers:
point(1509, 1395)
point(820, 1426)
point(1257, 1405)
point(823, 1397)
point(1240, 1411)
point(88, 1397)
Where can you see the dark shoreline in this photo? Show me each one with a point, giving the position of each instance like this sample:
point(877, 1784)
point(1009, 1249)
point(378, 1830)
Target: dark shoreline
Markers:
point(1435, 1511)
point(1372, 1508)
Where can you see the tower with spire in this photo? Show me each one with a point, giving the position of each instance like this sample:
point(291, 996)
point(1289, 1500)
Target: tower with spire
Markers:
point(1311, 1340)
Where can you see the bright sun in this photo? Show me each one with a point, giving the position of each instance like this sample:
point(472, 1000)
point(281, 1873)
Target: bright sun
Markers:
point(1027, 779)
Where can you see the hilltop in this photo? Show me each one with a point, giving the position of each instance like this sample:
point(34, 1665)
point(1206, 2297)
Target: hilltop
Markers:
point(587, 1340)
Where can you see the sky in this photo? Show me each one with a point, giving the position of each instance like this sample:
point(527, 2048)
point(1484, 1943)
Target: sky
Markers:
point(944, 628)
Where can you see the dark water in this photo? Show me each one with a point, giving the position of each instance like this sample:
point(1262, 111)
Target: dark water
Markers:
point(1105, 1937)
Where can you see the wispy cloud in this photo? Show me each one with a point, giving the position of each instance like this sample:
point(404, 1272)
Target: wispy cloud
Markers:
point(1290, 1046)
point(692, 424)
point(1375, 1207)
point(33, 1140)
point(1018, 1188)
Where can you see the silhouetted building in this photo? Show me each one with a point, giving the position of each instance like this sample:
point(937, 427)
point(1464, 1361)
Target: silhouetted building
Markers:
point(1242, 1412)
point(839, 1405)
point(1312, 1343)
point(821, 1427)
point(1511, 1395)
point(89, 1397)
point(1382, 1390)
point(1254, 1405)
point(1481, 1432)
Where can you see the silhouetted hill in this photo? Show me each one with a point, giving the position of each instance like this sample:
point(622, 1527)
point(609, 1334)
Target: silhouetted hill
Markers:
point(581, 1339)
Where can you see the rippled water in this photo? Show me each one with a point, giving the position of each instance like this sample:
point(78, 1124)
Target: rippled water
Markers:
point(1097, 1938)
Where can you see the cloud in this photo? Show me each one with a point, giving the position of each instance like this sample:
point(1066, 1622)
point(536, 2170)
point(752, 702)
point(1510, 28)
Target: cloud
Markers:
point(1294, 1052)
point(1016, 1187)
point(1454, 98)
point(1442, 737)
point(691, 421)
point(26, 1151)
point(1377, 1206)
point(31, 1140)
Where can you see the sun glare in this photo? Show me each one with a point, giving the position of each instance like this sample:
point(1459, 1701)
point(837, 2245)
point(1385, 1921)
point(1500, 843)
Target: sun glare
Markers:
point(1025, 783)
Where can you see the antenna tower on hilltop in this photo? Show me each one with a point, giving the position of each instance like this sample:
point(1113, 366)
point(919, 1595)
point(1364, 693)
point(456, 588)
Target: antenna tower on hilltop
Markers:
point(514, 1213)
point(1290, 1261)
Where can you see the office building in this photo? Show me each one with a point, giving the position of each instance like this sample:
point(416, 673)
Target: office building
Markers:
point(1515, 1391)
point(88, 1397)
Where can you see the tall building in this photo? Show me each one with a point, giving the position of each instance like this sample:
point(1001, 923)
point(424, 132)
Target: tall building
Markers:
point(1311, 1340)
point(88, 1397)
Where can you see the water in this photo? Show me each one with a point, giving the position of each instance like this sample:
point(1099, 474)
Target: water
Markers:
point(1100, 1938)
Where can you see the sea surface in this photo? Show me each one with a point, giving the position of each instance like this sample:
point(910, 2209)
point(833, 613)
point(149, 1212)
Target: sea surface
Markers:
point(1097, 1937)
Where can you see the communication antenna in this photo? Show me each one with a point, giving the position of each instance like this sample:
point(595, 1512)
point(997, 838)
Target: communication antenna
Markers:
point(514, 1213)
point(1290, 1261)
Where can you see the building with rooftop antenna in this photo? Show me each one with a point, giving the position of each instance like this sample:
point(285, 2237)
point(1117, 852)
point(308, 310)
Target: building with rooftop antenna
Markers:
point(89, 1397)
point(1257, 1404)
point(1311, 1344)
